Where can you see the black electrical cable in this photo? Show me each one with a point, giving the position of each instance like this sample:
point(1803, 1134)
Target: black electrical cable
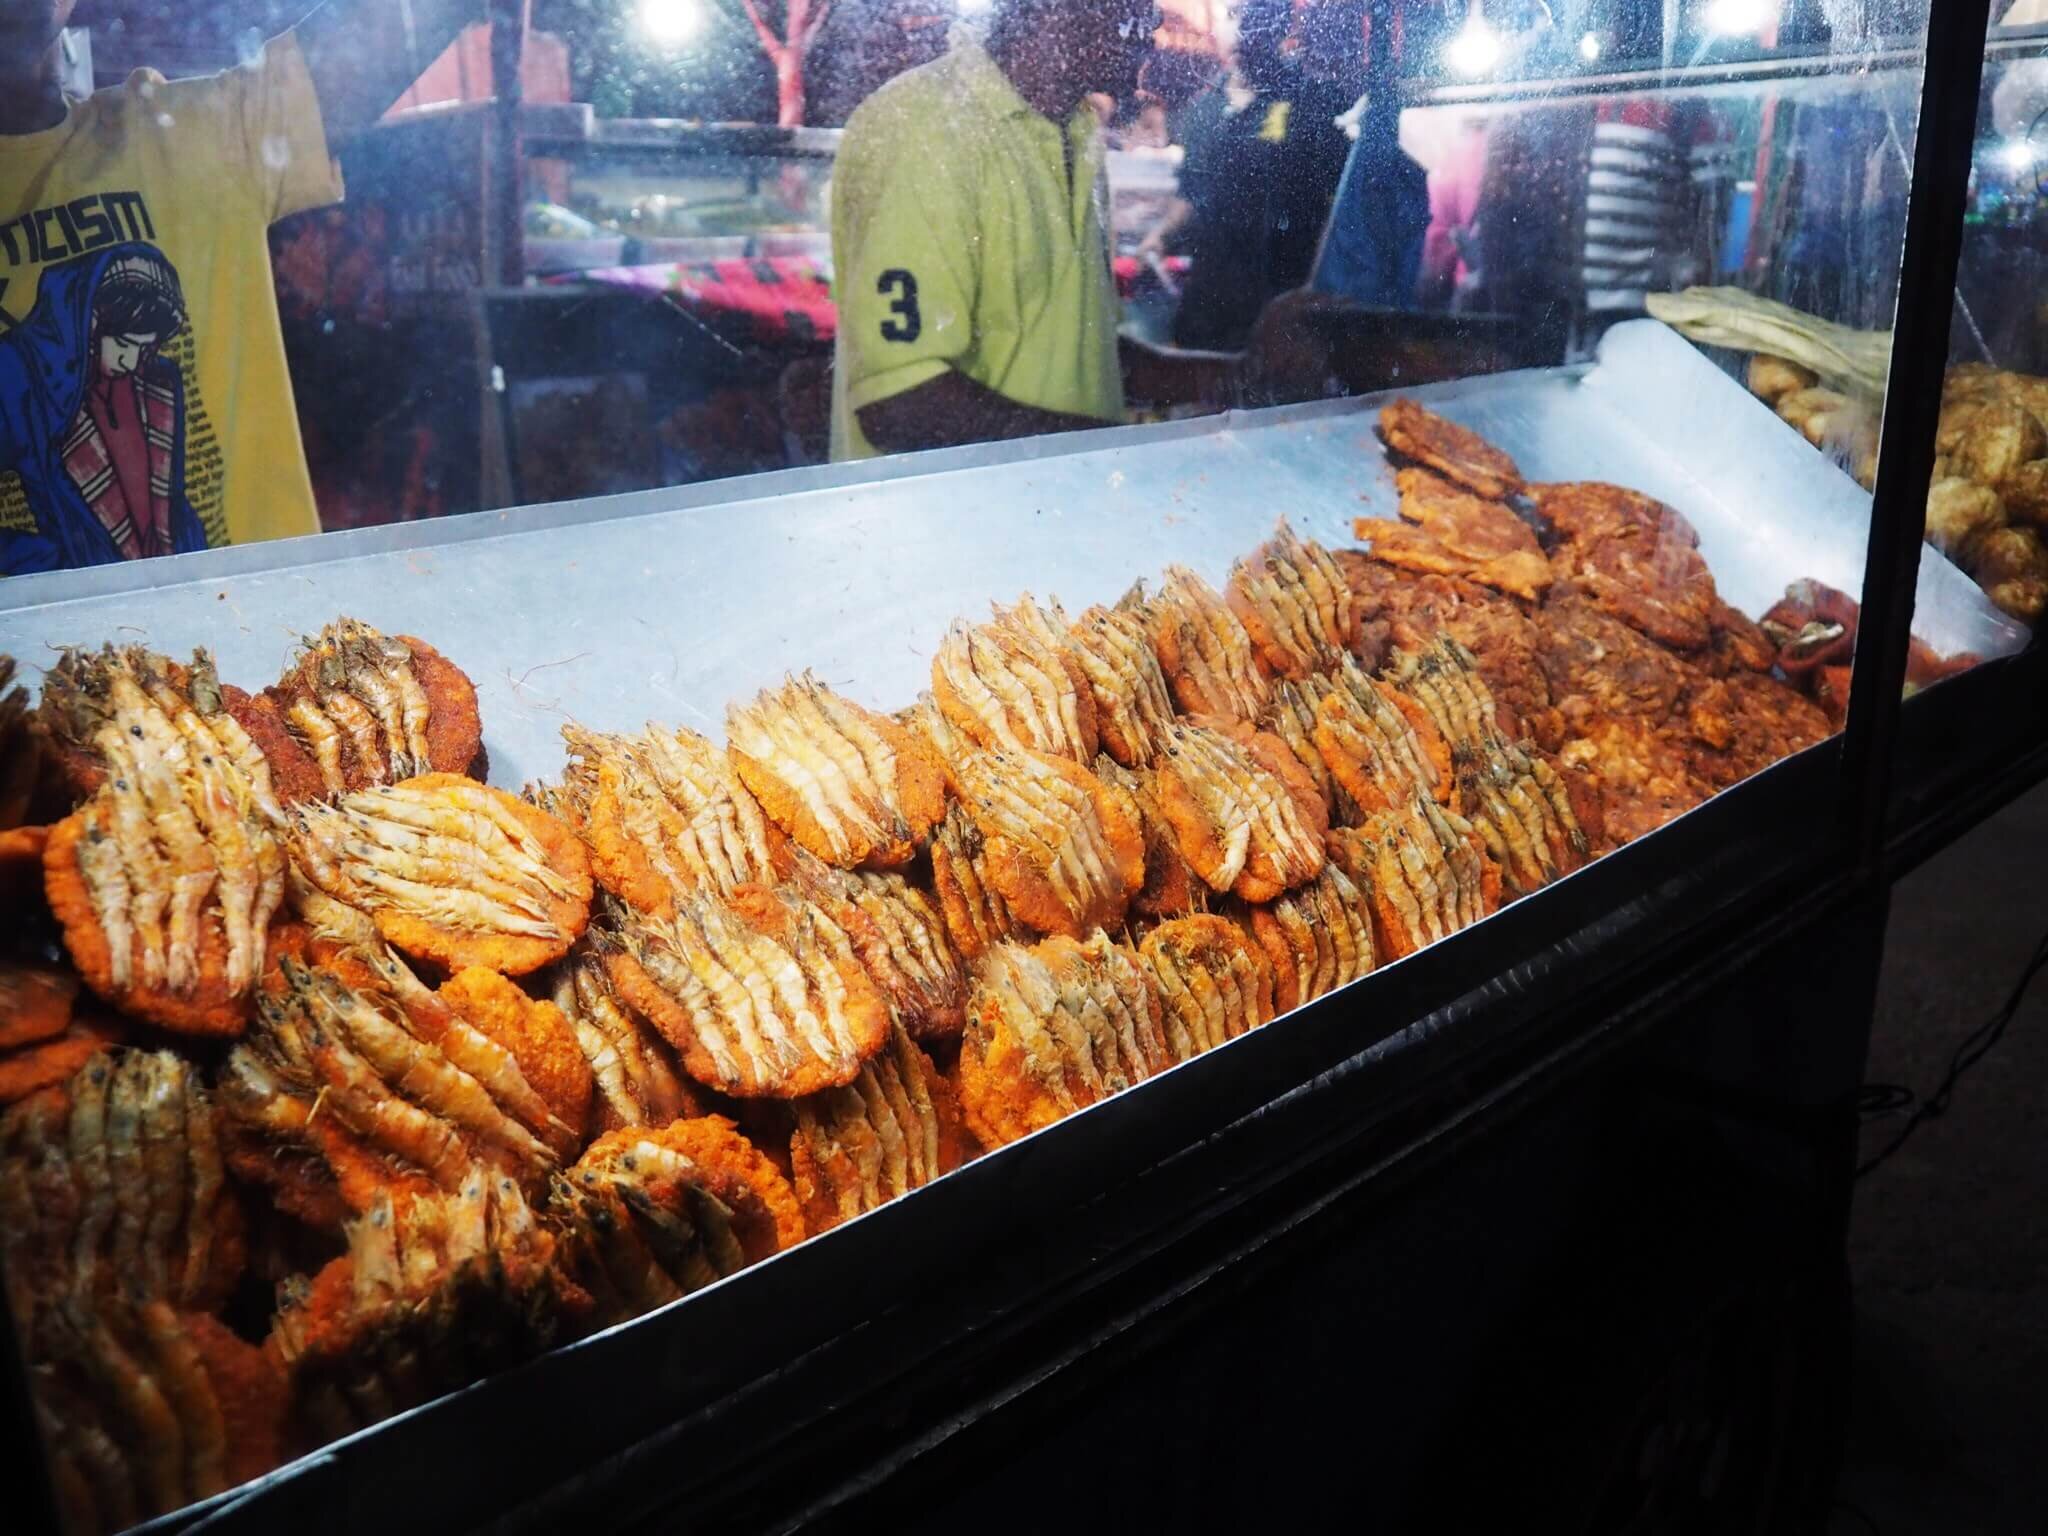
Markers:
point(1973, 1049)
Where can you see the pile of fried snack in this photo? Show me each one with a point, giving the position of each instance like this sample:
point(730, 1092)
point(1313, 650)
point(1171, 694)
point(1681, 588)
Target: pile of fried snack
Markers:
point(338, 1079)
point(1987, 507)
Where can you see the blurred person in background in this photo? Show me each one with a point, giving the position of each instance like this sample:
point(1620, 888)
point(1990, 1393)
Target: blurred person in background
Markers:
point(145, 407)
point(1264, 154)
point(972, 267)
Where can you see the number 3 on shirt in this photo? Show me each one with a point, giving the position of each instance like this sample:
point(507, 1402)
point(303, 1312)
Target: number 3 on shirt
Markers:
point(905, 323)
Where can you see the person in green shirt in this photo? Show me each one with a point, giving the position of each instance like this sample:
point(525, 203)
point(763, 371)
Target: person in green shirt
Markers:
point(968, 243)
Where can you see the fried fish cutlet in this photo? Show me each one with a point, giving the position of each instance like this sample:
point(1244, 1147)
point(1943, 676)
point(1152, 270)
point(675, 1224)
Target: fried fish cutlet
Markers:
point(451, 871)
point(1295, 605)
point(1450, 532)
point(1457, 453)
point(1050, 1030)
point(1246, 815)
point(1214, 983)
point(1013, 684)
point(370, 708)
point(664, 816)
point(1064, 849)
point(854, 787)
point(1739, 643)
point(1645, 776)
point(1596, 665)
point(762, 994)
point(1207, 656)
point(895, 1128)
point(1318, 937)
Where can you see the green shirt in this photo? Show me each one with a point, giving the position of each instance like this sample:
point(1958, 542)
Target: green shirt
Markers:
point(959, 240)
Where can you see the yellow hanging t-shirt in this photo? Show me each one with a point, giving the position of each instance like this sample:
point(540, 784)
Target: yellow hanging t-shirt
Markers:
point(145, 407)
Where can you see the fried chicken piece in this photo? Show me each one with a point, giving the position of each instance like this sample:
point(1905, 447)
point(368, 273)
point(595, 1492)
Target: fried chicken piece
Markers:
point(762, 994)
point(1633, 557)
point(373, 709)
point(1294, 604)
point(1379, 744)
point(1424, 871)
point(1207, 656)
point(1457, 453)
point(1318, 937)
point(1245, 813)
point(1827, 418)
point(1214, 983)
point(854, 787)
point(900, 935)
point(664, 816)
point(433, 1294)
point(1499, 634)
point(113, 1183)
point(2022, 496)
point(1771, 378)
point(894, 1129)
point(1064, 849)
point(1015, 684)
point(2011, 565)
point(633, 1079)
point(1053, 1029)
point(1988, 442)
point(1171, 888)
point(452, 871)
point(650, 1214)
point(1746, 722)
point(1450, 532)
point(975, 914)
point(1597, 665)
point(1646, 777)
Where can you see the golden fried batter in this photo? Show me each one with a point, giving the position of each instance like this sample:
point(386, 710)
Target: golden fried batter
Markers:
point(1245, 812)
point(762, 994)
point(1133, 708)
point(1294, 604)
point(633, 1080)
point(371, 709)
point(21, 755)
point(431, 1296)
point(1053, 1029)
point(900, 935)
point(1318, 937)
point(1456, 452)
point(894, 1129)
point(1292, 717)
point(1214, 983)
point(1598, 666)
point(1379, 745)
point(665, 816)
point(452, 871)
point(1171, 888)
point(1203, 648)
point(539, 1038)
point(1425, 872)
point(650, 1214)
point(975, 914)
point(854, 787)
point(1645, 777)
point(1015, 684)
point(1063, 849)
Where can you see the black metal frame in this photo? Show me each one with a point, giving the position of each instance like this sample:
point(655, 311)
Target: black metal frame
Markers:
point(778, 1392)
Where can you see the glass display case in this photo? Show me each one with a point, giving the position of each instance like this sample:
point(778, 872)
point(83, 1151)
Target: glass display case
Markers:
point(665, 1008)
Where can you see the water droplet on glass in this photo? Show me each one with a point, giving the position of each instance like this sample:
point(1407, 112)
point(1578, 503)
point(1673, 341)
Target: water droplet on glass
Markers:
point(277, 153)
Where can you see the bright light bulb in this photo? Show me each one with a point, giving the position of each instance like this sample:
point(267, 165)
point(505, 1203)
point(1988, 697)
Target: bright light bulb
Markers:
point(2017, 156)
point(671, 23)
point(1738, 18)
point(1476, 49)
point(1589, 47)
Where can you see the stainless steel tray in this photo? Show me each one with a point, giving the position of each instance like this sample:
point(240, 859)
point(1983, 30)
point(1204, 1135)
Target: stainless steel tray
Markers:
point(665, 604)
